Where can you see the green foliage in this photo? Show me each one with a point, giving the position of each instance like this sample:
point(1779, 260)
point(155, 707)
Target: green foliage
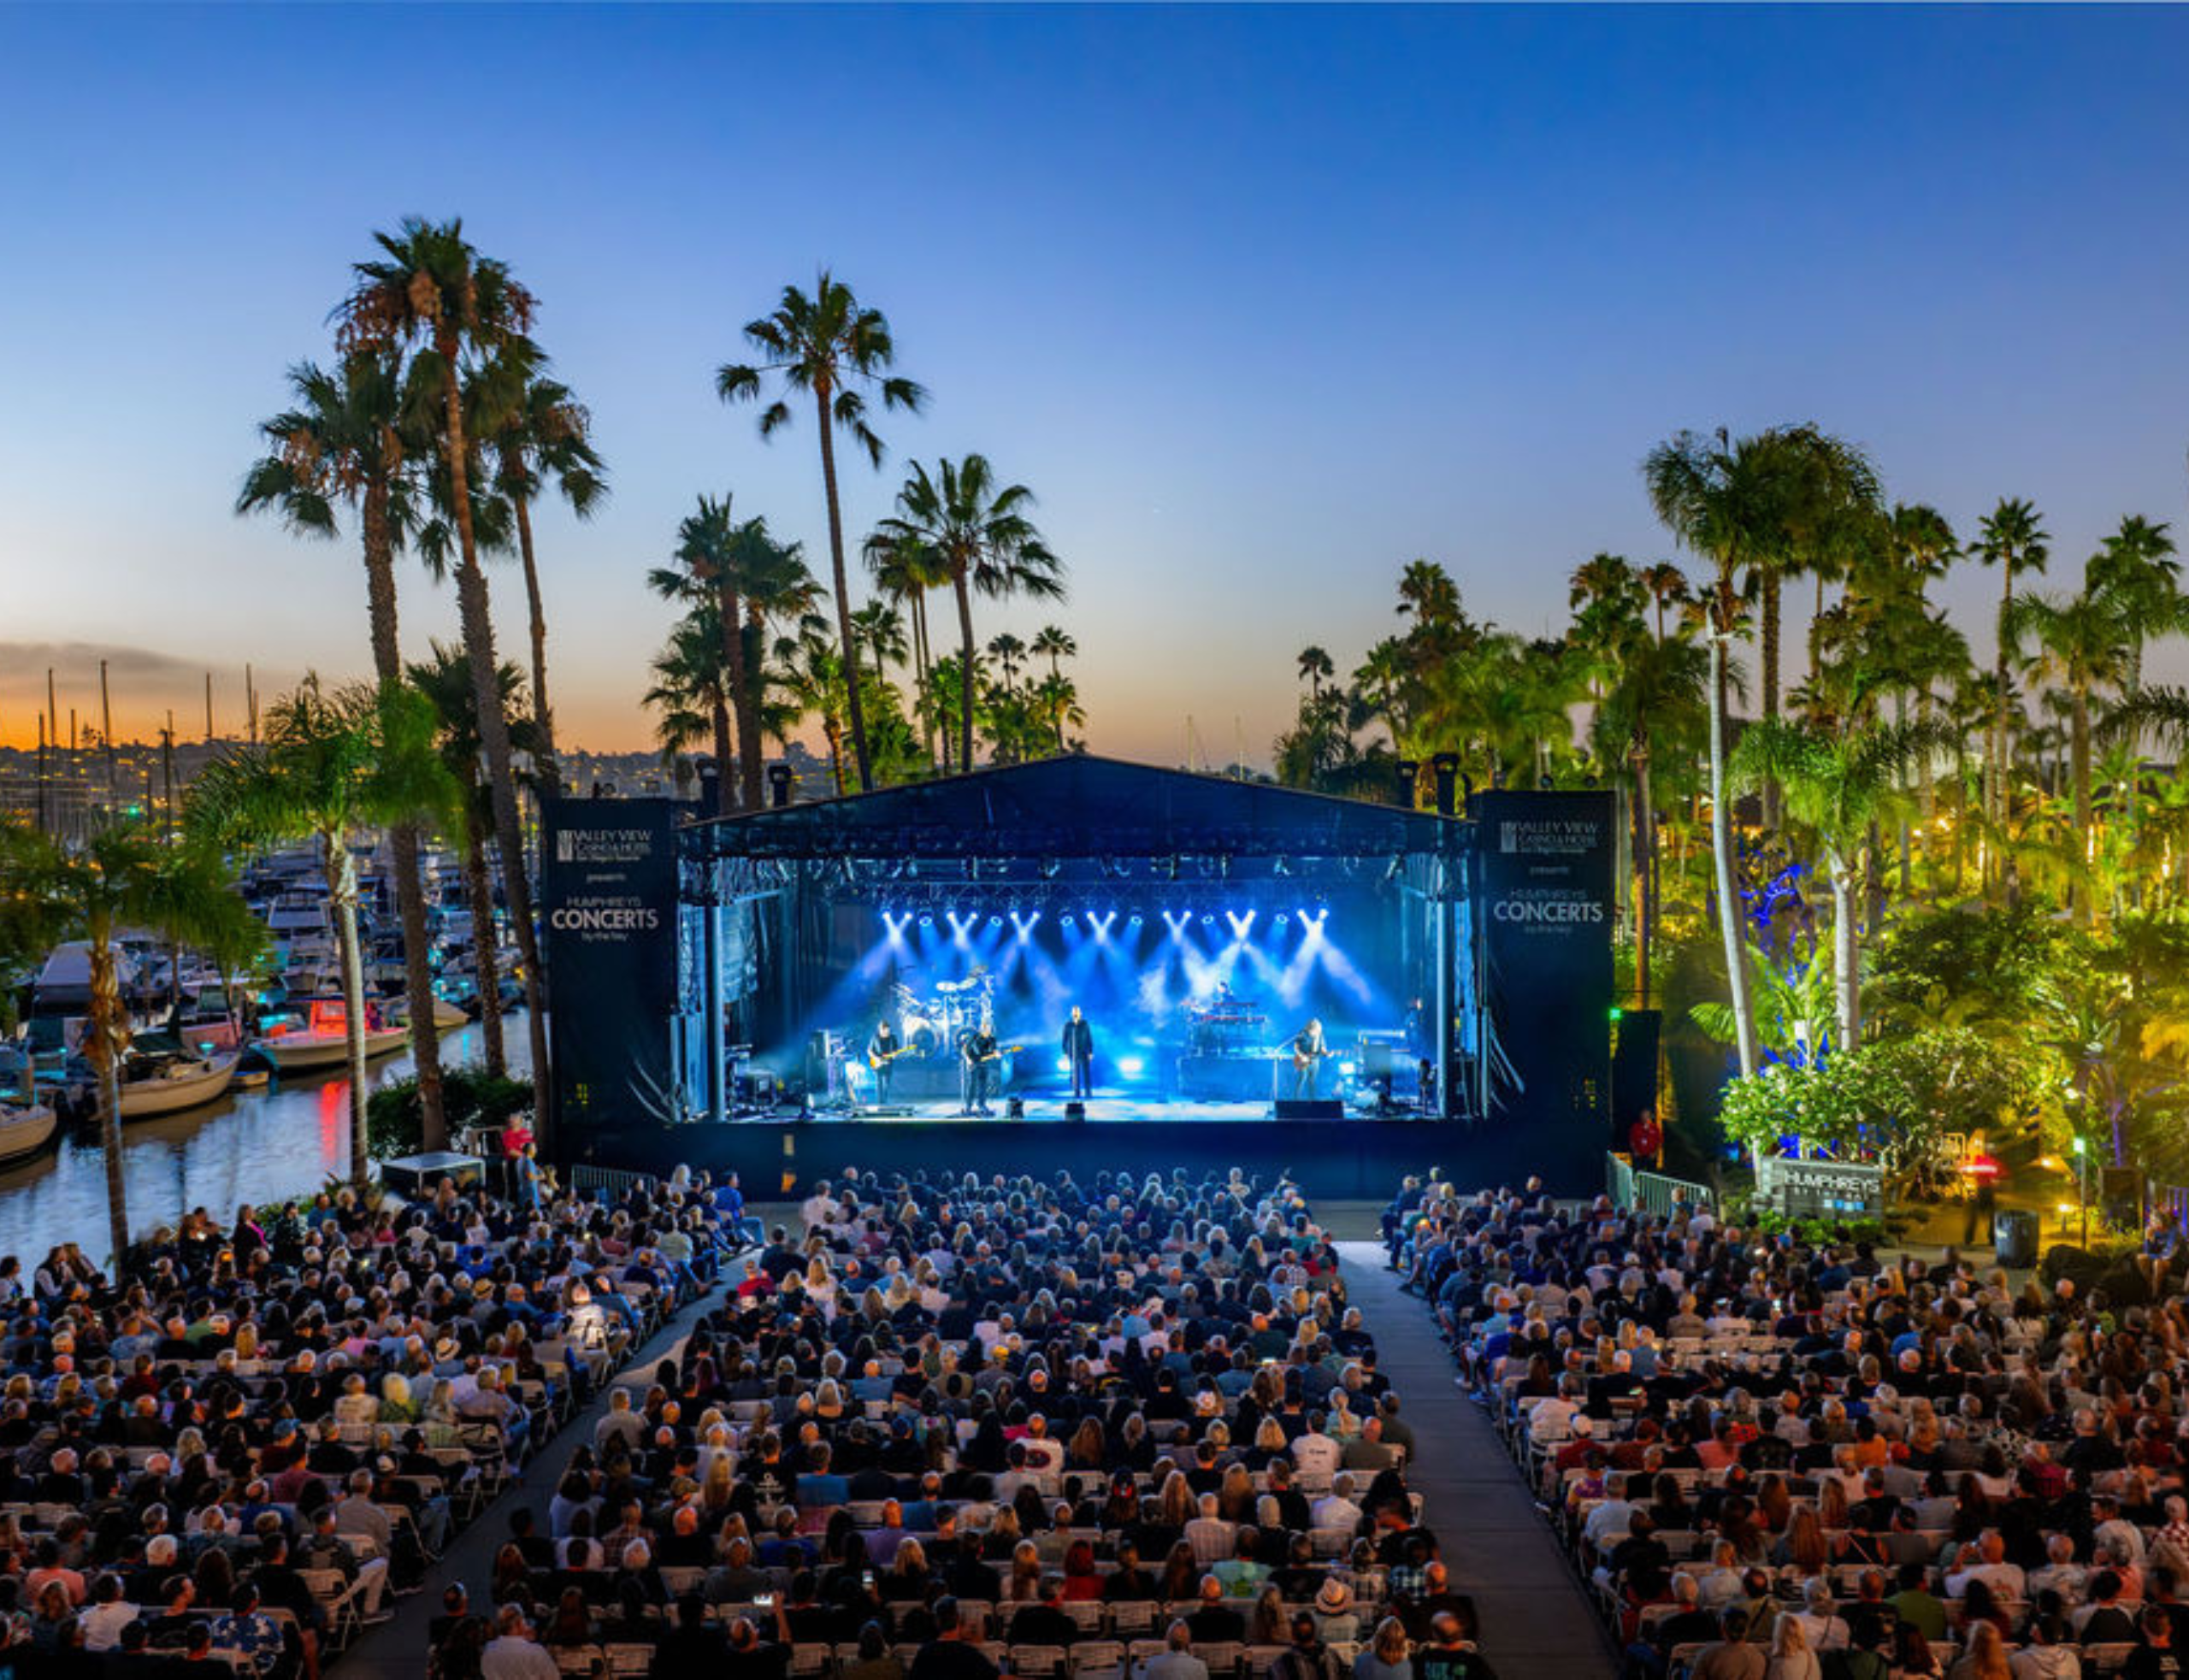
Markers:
point(1892, 1100)
point(395, 1119)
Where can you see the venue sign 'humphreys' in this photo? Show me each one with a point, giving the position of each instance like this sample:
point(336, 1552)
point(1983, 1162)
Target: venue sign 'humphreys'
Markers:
point(1545, 891)
point(609, 895)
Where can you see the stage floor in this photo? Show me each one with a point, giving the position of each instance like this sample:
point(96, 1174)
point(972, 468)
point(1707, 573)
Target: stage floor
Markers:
point(1134, 1110)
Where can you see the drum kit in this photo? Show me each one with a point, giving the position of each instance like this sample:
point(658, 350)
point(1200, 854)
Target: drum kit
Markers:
point(932, 1026)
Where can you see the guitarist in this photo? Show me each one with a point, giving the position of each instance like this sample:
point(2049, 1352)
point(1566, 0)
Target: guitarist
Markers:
point(980, 1054)
point(1307, 1052)
point(881, 1052)
point(1078, 1048)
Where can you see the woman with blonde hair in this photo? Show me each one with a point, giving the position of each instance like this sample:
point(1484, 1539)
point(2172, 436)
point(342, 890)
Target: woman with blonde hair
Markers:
point(1024, 1586)
point(1791, 1656)
point(1385, 1656)
point(1986, 1658)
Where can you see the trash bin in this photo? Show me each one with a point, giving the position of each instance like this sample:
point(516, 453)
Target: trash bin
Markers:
point(2013, 1237)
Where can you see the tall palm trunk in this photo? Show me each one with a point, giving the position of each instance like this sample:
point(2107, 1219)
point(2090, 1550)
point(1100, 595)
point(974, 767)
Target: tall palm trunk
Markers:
point(923, 664)
point(963, 591)
point(478, 622)
point(1768, 655)
point(543, 719)
point(854, 710)
point(1995, 792)
point(2079, 770)
point(1721, 846)
point(1645, 848)
point(725, 754)
point(731, 619)
point(410, 879)
point(104, 1048)
point(342, 884)
point(1846, 954)
point(752, 675)
point(486, 959)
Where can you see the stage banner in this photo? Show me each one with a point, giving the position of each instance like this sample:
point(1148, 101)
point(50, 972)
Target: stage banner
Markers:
point(608, 893)
point(1546, 911)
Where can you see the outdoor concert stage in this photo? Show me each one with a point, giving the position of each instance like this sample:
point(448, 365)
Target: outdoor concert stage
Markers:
point(722, 991)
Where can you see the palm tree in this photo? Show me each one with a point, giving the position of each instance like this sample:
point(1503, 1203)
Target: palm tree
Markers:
point(1056, 700)
point(2012, 538)
point(691, 689)
point(1054, 643)
point(1839, 784)
point(905, 573)
point(329, 767)
point(1315, 665)
point(543, 436)
point(985, 543)
point(445, 680)
point(1661, 687)
point(343, 442)
point(1667, 587)
point(808, 675)
point(1725, 501)
point(2081, 642)
point(430, 289)
point(706, 569)
point(880, 630)
point(122, 874)
point(1008, 652)
point(829, 348)
point(2136, 567)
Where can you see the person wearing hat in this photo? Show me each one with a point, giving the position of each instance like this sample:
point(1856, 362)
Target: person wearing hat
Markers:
point(1336, 1621)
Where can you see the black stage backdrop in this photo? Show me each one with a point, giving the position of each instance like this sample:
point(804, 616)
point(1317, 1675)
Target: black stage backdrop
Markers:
point(1546, 912)
point(608, 889)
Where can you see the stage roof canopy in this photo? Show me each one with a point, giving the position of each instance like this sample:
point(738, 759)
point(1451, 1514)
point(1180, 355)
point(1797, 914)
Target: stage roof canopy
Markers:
point(1079, 806)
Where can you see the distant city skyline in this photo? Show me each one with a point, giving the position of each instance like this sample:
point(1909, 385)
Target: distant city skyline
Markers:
point(1261, 302)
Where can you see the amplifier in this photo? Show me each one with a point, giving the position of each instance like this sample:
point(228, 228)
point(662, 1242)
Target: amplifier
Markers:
point(1310, 1108)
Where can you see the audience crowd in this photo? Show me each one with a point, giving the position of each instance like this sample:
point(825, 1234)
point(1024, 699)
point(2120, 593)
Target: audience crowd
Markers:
point(957, 1427)
point(234, 1452)
point(1772, 1459)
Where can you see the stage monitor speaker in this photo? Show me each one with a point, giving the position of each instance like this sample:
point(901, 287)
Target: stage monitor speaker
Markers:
point(2120, 1192)
point(1014, 1108)
point(1075, 1110)
point(1310, 1108)
point(1633, 1071)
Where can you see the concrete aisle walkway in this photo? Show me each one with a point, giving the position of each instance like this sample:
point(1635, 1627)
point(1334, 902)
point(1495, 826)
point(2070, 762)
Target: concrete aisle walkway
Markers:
point(1535, 1620)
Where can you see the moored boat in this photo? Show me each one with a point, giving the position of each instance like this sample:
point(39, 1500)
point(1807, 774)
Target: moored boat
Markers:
point(25, 1131)
point(170, 1084)
point(323, 1040)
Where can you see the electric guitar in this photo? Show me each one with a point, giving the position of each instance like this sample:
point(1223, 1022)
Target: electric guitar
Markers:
point(996, 1054)
point(878, 1062)
point(1304, 1059)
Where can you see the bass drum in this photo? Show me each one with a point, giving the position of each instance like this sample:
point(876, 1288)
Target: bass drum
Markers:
point(923, 1037)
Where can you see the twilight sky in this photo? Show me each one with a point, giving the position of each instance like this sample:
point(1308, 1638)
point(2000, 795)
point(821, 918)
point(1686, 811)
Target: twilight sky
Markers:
point(1260, 302)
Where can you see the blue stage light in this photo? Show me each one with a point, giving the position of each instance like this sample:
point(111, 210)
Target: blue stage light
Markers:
point(1346, 1069)
point(1283, 921)
point(1206, 920)
point(1134, 921)
point(996, 921)
point(1130, 1066)
point(1064, 1064)
point(1070, 920)
point(927, 922)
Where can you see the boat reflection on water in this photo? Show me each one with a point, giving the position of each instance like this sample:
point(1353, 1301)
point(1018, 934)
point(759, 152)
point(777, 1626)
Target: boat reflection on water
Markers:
point(263, 1145)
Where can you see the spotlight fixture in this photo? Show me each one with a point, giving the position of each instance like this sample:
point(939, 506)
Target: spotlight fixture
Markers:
point(927, 922)
point(1133, 921)
point(994, 921)
point(1206, 920)
point(1283, 919)
point(1070, 920)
